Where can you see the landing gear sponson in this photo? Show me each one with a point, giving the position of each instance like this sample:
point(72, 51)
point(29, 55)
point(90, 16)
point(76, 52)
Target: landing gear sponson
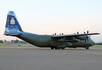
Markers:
point(64, 48)
point(58, 48)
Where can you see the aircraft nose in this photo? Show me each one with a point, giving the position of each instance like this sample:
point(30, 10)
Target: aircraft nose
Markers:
point(93, 42)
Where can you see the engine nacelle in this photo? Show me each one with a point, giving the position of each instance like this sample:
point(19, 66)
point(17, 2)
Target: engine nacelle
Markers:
point(81, 37)
point(68, 44)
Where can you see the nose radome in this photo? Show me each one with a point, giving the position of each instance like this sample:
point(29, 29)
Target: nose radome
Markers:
point(93, 42)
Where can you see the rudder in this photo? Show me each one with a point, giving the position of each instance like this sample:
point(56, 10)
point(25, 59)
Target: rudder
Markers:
point(12, 24)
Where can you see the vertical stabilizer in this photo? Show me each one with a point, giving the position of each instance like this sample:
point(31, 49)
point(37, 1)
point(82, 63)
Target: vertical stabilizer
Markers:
point(12, 24)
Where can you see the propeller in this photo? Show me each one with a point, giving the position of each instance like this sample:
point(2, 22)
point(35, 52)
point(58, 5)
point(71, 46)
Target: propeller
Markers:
point(87, 36)
point(84, 33)
point(77, 32)
point(87, 31)
point(55, 33)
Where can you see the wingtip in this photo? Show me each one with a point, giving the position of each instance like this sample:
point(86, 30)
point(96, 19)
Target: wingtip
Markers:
point(98, 33)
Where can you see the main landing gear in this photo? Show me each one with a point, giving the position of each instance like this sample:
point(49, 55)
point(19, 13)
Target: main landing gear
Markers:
point(87, 48)
point(58, 48)
point(64, 48)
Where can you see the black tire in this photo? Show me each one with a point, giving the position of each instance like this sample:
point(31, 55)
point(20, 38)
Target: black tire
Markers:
point(57, 48)
point(87, 48)
point(52, 47)
point(63, 48)
point(74, 47)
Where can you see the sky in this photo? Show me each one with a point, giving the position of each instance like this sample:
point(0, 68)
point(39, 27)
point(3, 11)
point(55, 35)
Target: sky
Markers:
point(54, 16)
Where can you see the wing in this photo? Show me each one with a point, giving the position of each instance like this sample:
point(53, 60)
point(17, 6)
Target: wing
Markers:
point(74, 35)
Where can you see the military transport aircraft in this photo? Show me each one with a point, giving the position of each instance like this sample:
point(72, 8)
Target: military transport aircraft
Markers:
point(13, 28)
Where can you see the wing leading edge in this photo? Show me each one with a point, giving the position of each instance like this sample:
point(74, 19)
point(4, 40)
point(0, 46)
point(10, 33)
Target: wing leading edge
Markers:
point(74, 35)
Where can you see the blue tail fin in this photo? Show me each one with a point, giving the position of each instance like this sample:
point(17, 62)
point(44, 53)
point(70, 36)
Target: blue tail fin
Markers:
point(12, 24)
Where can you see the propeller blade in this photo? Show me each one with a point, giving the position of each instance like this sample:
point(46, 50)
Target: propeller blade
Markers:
point(87, 31)
point(55, 33)
point(77, 32)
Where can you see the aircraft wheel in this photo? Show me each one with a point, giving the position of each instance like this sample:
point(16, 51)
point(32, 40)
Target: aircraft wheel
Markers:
point(87, 48)
point(74, 47)
point(52, 47)
point(57, 48)
point(63, 48)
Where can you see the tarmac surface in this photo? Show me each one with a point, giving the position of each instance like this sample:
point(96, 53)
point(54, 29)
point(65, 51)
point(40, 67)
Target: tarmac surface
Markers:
point(30, 58)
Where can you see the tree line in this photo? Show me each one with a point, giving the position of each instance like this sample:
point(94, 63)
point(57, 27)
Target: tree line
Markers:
point(12, 41)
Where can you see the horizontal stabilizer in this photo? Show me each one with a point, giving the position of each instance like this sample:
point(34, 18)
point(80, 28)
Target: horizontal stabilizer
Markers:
point(14, 34)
